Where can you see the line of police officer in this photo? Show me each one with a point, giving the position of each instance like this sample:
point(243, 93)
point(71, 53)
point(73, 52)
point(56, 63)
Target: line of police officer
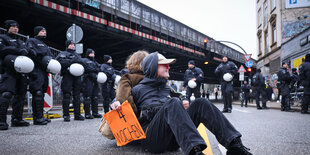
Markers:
point(29, 63)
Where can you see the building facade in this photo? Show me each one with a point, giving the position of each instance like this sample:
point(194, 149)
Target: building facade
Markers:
point(277, 22)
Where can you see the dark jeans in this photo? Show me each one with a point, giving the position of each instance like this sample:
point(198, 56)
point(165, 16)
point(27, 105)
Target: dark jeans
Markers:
point(173, 126)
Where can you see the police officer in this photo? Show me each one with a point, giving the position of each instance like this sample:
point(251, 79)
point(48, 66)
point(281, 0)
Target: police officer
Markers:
point(71, 83)
point(226, 68)
point(108, 91)
point(245, 92)
point(196, 74)
point(259, 88)
point(284, 78)
point(39, 76)
point(12, 83)
point(295, 80)
point(91, 85)
point(304, 75)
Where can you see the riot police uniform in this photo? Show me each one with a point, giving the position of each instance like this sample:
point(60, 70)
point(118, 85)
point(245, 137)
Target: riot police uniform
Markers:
point(39, 76)
point(246, 93)
point(108, 91)
point(91, 86)
point(304, 74)
point(12, 83)
point(226, 87)
point(284, 78)
point(191, 73)
point(259, 88)
point(70, 84)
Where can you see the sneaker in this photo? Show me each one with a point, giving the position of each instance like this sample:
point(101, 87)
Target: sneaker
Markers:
point(237, 148)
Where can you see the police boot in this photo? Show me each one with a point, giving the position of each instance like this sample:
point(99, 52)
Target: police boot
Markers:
point(38, 103)
point(77, 109)
point(94, 108)
point(65, 107)
point(4, 105)
point(237, 148)
point(196, 151)
point(87, 108)
point(17, 114)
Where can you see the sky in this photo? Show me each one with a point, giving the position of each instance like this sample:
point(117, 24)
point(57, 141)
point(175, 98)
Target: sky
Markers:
point(227, 20)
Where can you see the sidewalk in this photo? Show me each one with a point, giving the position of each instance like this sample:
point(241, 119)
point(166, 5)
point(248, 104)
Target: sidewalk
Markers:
point(270, 105)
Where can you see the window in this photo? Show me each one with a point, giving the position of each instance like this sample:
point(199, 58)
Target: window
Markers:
point(260, 45)
point(273, 4)
point(259, 17)
point(266, 43)
point(274, 33)
point(265, 13)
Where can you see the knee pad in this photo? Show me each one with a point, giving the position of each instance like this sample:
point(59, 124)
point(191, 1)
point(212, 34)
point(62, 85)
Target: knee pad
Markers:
point(7, 95)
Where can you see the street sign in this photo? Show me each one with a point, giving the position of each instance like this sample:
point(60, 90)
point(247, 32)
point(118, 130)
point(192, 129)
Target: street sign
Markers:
point(247, 57)
point(74, 33)
point(79, 48)
point(249, 64)
point(241, 69)
point(48, 96)
point(241, 76)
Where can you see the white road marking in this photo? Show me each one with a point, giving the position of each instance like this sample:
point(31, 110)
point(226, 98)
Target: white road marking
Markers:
point(222, 149)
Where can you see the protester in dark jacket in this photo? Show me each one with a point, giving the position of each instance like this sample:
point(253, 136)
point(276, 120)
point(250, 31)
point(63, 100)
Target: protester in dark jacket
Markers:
point(166, 122)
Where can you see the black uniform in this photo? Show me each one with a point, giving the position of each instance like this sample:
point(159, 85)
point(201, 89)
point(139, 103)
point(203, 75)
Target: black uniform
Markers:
point(70, 85)
point(226, 87)
point(259, 88)
point(246, 93)
point(295, 82)
point(38, 77)
point(91, 86)
point(304, 74)
point(169, 126)
point(191, 73)
point(108, 91)
point(12, 83)
point(284, 78)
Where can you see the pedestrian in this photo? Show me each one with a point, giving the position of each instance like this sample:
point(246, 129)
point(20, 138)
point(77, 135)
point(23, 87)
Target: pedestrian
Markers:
point(13, 83)
point(91, 89)
point(304, 75)
point(44, 62)
point(162, 117)
point(285, 80)
point(196, 75)
point(229, 69)
point(108, 91)
point(174, 86)
point(246, 93)
point(259, 88)
point(71, 83)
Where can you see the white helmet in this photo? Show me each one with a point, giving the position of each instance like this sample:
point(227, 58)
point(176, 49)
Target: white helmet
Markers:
point(101, 77)
point(117, 78)
point(227, 77)
point(23, 64)
point(192, 84)
point(53, 66)
point(76, 69)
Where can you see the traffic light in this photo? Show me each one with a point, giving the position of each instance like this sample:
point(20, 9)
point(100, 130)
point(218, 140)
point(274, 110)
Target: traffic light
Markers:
point(205, 41)
point(249, 70)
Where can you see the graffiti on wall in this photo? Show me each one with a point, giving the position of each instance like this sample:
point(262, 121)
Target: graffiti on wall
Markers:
point(292, 28)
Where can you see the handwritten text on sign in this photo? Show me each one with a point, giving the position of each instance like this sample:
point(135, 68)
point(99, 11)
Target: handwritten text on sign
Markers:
point(124, 125)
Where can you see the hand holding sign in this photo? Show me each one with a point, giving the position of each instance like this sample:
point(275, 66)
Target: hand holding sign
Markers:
point(124, 125)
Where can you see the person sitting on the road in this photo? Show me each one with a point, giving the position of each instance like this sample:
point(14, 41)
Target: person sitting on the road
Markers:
point(168, 125)
point(123, 91)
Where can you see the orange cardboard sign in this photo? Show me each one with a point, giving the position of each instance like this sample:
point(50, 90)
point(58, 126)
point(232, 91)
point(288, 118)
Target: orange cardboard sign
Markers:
point(124, 125)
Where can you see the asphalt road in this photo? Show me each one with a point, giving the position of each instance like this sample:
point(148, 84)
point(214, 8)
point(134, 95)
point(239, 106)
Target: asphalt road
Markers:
point(265, 132)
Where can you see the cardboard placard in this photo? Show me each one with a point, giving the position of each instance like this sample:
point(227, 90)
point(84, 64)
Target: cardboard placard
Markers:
point(124, 125)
